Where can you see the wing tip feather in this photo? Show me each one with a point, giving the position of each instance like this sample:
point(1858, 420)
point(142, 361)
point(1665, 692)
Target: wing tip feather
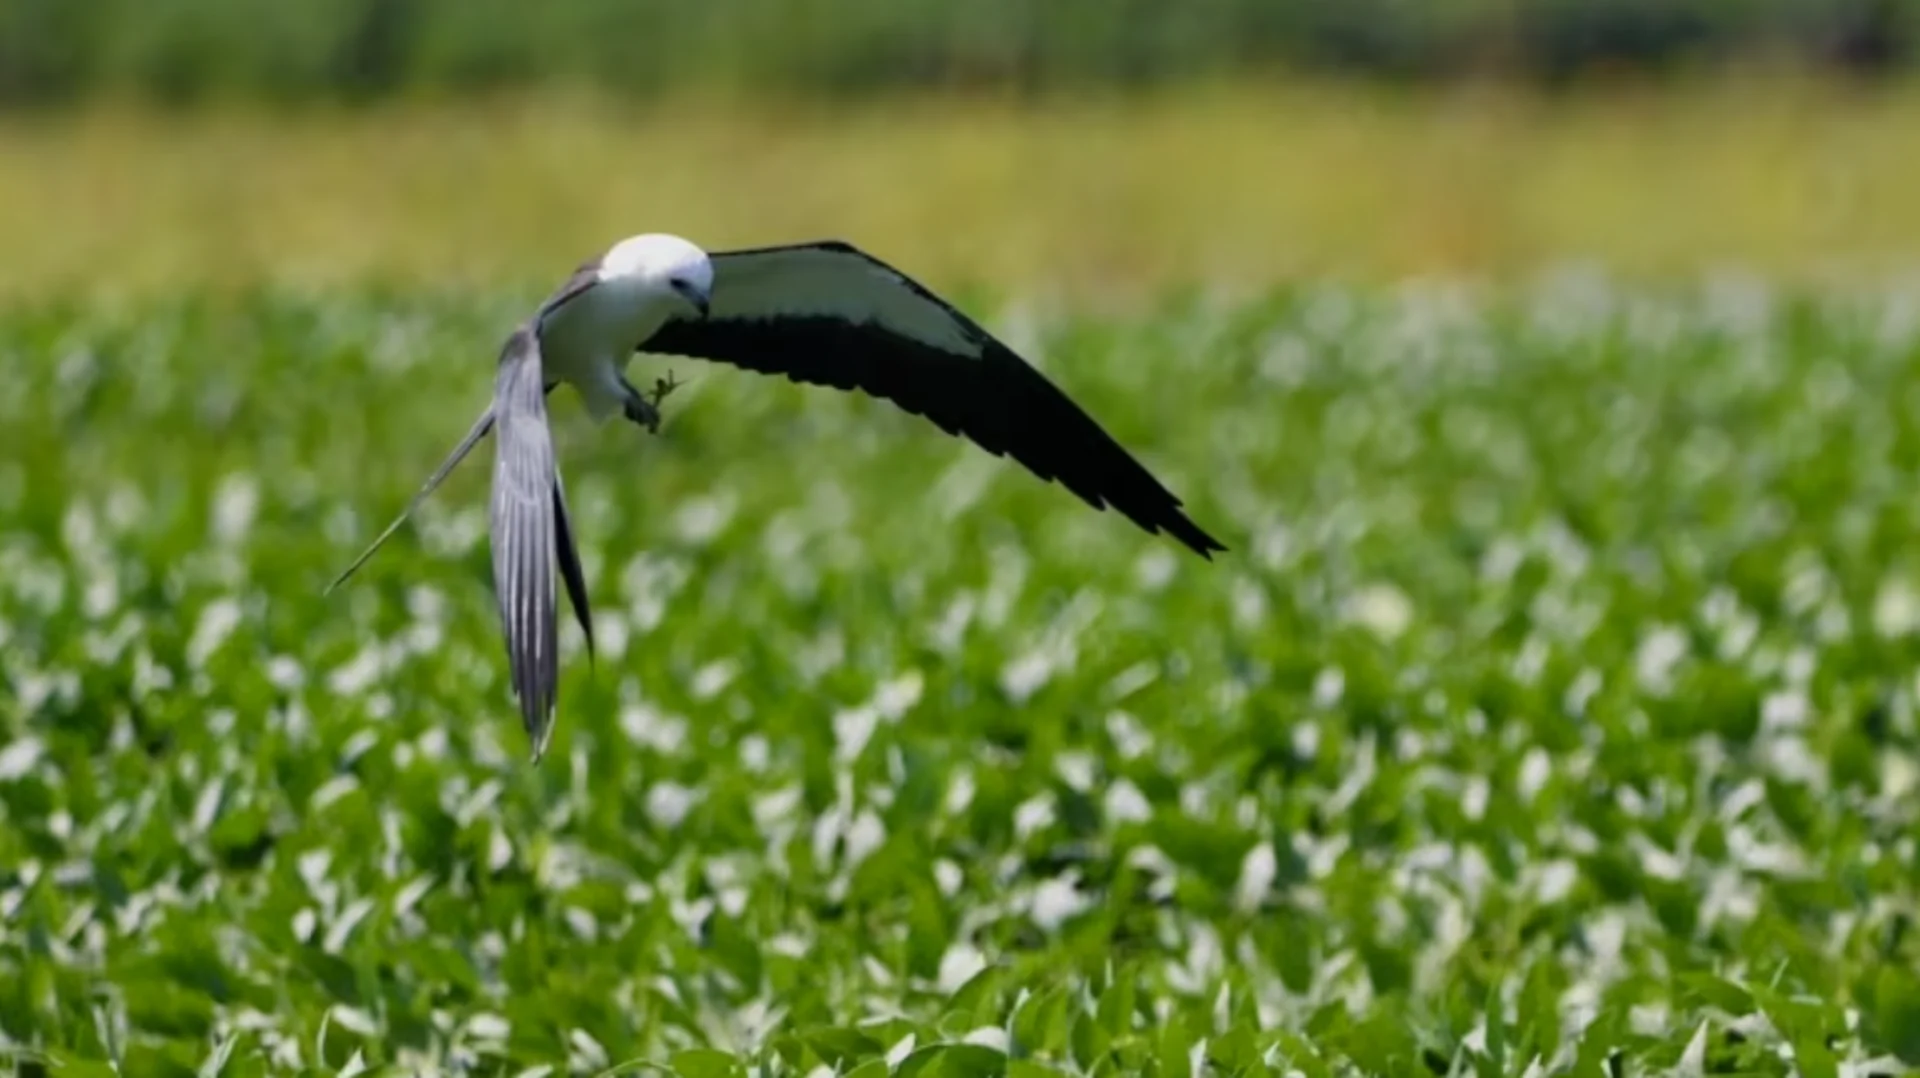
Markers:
point(1192, 536)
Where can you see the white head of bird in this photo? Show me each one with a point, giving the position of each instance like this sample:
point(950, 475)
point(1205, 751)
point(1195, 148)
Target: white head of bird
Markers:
point(659, 264)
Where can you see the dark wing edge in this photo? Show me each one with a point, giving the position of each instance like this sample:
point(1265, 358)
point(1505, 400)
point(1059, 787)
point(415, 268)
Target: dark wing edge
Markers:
point(478, 431)
point(997, 400)
point(570, 571)
point(524, 512)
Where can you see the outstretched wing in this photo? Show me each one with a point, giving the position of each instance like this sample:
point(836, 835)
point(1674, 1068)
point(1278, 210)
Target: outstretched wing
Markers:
point(830, 314)
point(529, 530)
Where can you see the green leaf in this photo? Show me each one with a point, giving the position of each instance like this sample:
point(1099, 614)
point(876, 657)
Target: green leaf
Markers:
point(1235, 1050)
point(1301, 1055)
point(1813, 1060)
point(976, 999)
point(1115, 1012)
point(1022, 1068)
point(1719, 992)
point(705, 1063)
point(953, 1061)
point(1089, 1041)
point(1496, 1029)
point(216, 1062)
point(1896, 1009)
point(1041, 1024)
point(1539, 1008)
point(736, 950)
point(842, 1047)
point(972, 1061)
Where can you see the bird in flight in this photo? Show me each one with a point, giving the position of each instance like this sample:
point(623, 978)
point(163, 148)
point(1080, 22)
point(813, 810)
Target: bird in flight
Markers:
point(823, 313)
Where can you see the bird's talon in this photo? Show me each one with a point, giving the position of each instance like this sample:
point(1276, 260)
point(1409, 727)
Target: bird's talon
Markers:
point(643, 414)
point(664, 386)
point(647, 412)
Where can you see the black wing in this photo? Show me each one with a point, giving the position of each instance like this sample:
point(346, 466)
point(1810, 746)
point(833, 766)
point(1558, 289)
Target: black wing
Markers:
point(527, 513)
point(830, 314)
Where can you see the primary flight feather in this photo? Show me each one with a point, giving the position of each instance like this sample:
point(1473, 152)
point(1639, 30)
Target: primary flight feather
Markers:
point(822, 313)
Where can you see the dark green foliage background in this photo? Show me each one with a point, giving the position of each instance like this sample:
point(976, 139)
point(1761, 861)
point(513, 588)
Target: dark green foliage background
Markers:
point(310, 50)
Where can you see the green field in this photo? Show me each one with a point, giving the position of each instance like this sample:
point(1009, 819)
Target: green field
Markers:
point(1081, 198)
point(1554, 711)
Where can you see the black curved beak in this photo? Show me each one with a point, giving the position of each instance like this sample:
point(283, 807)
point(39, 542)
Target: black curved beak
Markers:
point(694, 296)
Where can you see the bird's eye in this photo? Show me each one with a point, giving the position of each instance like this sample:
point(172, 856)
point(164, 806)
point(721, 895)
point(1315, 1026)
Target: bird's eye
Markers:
point(691, 293)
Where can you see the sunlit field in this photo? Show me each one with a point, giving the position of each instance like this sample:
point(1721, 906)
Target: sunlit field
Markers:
point(1082, 197)
point(1553, 712)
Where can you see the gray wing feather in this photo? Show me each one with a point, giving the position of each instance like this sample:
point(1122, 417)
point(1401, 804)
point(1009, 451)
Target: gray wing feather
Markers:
point(529, 521)
point(479, 430)
point(524, 531)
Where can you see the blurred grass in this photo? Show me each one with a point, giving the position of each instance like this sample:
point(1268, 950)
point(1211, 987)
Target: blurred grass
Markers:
point(1782, 176)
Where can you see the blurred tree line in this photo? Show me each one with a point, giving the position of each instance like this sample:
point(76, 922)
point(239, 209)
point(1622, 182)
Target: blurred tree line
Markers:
point(311, 50)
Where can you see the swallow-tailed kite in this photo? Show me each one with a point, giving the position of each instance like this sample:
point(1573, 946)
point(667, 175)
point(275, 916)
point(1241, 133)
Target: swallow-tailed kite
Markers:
point(824, 313)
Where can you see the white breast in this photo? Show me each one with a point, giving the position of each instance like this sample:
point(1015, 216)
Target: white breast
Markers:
point(589, 340)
